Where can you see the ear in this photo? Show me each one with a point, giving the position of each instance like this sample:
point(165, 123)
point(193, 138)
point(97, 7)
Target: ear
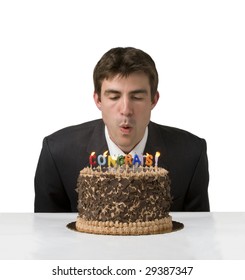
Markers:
point(155, 100)
point(97, 100)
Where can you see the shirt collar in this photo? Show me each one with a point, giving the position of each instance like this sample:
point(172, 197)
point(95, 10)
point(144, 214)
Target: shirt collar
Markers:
point(114, 150)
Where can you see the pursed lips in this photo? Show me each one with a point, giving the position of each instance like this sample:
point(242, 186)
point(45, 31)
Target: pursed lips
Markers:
point(126, 128)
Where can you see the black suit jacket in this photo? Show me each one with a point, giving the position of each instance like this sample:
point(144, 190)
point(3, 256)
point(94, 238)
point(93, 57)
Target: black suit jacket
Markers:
point(67, 151)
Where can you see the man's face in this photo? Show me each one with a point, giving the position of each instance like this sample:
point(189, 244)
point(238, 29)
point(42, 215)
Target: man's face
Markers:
point(126, 108)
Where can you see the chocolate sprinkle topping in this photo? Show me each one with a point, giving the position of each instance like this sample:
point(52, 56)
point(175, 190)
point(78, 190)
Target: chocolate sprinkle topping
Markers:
point(123, 195)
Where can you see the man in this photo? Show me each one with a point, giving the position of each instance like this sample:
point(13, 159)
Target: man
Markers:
point(125, 90)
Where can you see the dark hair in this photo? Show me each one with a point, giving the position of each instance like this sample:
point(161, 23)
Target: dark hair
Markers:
point(125, 61)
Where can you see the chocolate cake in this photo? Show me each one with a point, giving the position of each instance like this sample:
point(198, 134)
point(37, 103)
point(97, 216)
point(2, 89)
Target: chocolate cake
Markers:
point(124, 201)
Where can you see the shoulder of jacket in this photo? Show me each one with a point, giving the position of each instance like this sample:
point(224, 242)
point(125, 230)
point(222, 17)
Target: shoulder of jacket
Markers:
point(81, 128)
point(177, 133)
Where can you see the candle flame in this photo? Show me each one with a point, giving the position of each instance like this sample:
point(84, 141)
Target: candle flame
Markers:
point(92, 153)
point(157, 154)
point(105, 153)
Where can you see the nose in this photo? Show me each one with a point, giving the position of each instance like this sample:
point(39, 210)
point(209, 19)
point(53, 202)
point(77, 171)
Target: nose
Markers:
point(126, 107)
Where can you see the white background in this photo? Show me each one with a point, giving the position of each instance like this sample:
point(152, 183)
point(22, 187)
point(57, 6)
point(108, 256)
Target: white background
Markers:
point(48, 50)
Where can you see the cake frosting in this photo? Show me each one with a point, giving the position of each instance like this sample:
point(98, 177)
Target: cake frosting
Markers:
point(124, 201)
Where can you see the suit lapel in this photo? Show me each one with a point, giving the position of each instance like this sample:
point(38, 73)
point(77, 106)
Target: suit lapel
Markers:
point(155, 143)
point(97, 142)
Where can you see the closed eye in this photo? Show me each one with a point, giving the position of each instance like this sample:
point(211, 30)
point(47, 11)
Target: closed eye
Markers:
point(114, 96)
point(138, 96)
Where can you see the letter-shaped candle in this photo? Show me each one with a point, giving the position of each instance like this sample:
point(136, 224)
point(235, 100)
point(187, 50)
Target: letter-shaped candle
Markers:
point(111, 161)
point(128, 159)
point(149, 159)
point(136, 160)
point(102, 158)
point(120, 160)
point(92, 159)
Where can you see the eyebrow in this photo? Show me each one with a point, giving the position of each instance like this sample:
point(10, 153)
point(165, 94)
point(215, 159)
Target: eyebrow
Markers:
point(136, 91)
point(108, 91)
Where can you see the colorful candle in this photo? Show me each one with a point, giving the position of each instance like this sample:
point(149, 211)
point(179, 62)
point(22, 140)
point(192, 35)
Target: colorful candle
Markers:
point(111, 161)
point(120, 160)
point(149, 159)
point(101, 160)
point(92, 159)
point(136, 160)
point(157, 155)
point(128, 159)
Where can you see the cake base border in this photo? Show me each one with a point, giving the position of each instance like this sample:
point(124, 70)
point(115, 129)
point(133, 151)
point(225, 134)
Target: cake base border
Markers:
point(176, 226)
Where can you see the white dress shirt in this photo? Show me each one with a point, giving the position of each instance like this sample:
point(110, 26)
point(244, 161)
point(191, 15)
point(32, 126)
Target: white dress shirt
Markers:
point(115, 151)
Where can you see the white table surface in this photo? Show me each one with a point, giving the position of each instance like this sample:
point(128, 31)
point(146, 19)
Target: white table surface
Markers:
point(206, 236)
